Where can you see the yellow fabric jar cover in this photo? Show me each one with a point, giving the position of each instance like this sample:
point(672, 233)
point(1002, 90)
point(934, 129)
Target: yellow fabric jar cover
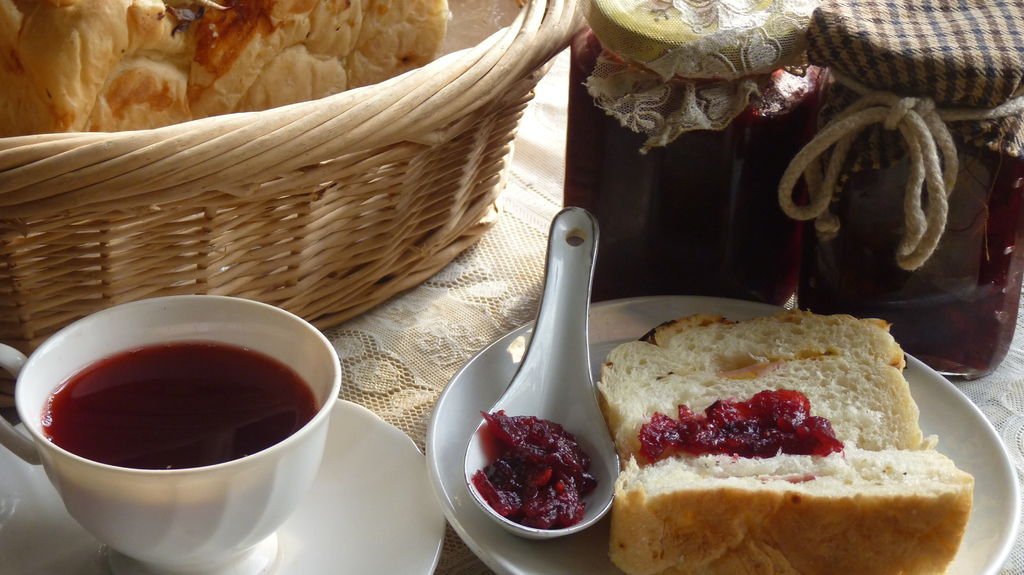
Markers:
point(672, 67)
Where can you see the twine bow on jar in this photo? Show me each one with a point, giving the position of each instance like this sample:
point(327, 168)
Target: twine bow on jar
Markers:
point(932, 155)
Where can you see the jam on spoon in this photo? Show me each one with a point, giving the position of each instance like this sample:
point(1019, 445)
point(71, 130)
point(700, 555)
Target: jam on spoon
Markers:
point(538, 473)
point(553, 383)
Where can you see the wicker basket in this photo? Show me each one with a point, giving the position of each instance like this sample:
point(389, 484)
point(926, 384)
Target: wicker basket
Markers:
point(325, 208)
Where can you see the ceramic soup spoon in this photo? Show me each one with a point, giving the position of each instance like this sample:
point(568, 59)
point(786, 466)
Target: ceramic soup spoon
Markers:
point(554, 381)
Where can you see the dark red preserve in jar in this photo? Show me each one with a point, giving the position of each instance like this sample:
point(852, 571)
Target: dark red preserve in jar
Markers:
point(942, 259)
point(680, 163)
point(958, 311)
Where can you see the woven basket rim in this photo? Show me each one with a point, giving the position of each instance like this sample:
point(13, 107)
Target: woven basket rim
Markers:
point(232, 153)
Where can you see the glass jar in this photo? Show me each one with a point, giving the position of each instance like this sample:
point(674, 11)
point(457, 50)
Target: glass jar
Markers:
point(958, 311)
point(699, 215)
point(940, 256)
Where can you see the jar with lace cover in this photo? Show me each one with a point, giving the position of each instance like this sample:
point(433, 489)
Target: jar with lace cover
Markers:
point(682, 116)
point(915, 177)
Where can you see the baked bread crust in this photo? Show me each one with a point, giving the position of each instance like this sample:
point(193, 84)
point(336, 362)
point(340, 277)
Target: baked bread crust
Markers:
point(786, 533)
point(107, 65)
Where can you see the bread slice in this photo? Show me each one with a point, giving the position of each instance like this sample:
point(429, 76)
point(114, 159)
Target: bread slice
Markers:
point(863, 512)
point(888, 503)
point(850, 370)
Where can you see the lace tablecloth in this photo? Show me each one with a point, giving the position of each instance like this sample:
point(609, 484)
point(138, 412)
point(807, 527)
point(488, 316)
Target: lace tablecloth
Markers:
point(400, 355)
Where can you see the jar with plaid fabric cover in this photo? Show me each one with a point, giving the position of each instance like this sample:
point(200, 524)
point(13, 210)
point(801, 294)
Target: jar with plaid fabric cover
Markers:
point(682, 116)
point(915, 176)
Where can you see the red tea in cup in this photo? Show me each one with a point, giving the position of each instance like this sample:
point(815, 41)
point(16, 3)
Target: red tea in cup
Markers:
point(177, 405)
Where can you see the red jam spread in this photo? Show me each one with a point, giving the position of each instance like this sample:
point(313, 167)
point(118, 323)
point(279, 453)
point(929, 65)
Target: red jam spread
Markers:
point(770, 423)
point(538, 473)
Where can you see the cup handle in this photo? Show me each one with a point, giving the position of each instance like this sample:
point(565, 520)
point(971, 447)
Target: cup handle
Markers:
point(12, 360)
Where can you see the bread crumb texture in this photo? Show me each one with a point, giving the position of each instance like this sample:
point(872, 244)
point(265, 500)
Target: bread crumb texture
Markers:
point(849, 369)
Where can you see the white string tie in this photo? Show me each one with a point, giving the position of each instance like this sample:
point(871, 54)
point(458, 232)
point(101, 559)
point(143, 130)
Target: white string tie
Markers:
point(930, 149)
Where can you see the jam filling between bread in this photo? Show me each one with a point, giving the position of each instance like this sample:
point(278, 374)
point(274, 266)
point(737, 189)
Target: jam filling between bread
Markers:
point(770, 423)
point(538, 473)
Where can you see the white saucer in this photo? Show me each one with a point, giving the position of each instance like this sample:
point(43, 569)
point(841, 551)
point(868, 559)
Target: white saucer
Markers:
point(370, 510)
point(964, 435)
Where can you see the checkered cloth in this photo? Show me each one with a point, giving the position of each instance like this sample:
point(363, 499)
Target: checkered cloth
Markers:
point(958, 53)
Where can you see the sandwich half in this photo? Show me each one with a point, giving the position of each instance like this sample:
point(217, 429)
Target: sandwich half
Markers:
point(882, 500)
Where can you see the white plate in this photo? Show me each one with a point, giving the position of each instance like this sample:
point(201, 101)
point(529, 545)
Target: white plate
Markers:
point(965, 436)
point(370, 510)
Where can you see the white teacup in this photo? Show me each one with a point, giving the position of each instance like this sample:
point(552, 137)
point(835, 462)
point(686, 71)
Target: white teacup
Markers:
point(215, 519)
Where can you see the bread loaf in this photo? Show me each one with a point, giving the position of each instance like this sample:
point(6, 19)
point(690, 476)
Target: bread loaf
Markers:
point(887, 503)
point(107, 65)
